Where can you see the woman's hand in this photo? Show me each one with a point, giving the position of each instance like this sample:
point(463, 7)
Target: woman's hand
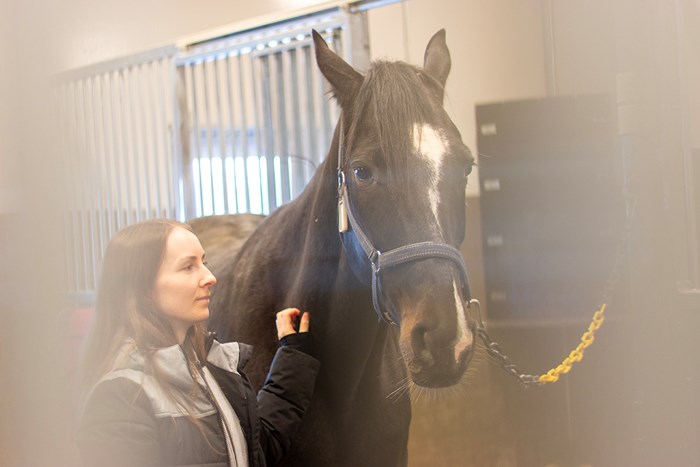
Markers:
point(286, 320)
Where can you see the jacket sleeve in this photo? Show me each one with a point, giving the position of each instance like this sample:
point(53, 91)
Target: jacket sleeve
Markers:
point(118, 428)
point(283, 400)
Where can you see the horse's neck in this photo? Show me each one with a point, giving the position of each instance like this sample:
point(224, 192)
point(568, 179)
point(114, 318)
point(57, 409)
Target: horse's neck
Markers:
point(318, 249)
point(354, 346)
point(359, 353)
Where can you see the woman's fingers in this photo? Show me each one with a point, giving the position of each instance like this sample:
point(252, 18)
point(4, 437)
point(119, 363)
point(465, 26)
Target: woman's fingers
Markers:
point(285, 322)
point(304, 324)
point(286, 319)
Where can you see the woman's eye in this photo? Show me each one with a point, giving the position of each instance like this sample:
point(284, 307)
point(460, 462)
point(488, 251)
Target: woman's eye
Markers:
point(362, 173)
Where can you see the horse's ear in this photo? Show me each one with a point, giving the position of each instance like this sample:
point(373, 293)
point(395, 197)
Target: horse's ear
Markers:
point(437, 60)
point(343, 78)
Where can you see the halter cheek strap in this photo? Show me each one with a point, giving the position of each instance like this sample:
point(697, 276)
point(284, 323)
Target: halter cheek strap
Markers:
point(380, 261)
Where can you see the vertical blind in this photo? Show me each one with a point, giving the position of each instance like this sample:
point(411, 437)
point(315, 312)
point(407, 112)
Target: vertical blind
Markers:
point(117, 147)
point(257, 120)
point(234, 124)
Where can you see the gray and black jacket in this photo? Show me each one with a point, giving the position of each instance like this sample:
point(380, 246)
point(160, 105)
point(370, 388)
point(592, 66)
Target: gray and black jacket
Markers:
point(131, 420)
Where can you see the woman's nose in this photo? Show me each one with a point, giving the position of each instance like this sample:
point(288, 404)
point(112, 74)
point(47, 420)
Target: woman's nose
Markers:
point(209, 279)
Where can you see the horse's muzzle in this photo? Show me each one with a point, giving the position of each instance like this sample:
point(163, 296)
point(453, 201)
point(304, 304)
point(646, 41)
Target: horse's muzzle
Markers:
point(435, 366)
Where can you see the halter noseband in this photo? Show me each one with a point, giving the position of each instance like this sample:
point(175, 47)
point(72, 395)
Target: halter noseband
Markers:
point(389, 259)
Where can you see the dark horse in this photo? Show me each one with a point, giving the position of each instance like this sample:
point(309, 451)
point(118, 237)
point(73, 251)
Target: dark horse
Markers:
point(402, 171)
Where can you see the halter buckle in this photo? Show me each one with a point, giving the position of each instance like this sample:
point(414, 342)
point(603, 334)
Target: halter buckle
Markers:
point(342, 209)
point(341, 179)
point(374, 258)
point(475, 303)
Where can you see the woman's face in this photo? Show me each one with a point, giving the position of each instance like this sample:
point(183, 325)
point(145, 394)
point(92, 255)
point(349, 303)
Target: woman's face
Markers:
point(183, 285)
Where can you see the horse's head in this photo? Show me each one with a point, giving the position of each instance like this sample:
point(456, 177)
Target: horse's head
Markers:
point(405, 171)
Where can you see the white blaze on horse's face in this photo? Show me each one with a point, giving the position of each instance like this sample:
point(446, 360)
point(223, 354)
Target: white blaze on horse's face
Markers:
point(430, 144)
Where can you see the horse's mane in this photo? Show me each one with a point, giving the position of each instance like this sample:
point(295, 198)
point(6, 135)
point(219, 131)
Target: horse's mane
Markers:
point(393, 97)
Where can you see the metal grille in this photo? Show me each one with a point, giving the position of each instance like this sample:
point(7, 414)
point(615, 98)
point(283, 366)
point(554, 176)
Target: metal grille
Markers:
point(257, 120)
point(118, 146)
point(230, 125)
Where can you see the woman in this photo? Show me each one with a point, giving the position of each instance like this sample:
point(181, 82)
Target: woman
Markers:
point(160, 390)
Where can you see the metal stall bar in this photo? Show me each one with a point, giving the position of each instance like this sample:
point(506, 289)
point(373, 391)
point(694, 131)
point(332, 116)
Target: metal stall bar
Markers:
point(267, 150)
point(81, 182)
point(223, 140)
point(73, 249)
point(164, 130)
point(93, 166)
point(245, 143)
point(232, 192)
point(168, 131)
point(157, 136)
point(102, 158)
point(258, 130)
point(283, 140)
point(88, 198)
point(153, 155)
point(206, 104)
point(160, 138)
point(131, 135)
point(110, 154)
point(141, 135)
point(117, 148)
point(97, 155)
point(86, 227)
point(297, 176)
point(275, 151)
point(109, 163)
point(301, 122)
point(183, 153)
point(125, 147)
point(195, 136)
point(135, 184)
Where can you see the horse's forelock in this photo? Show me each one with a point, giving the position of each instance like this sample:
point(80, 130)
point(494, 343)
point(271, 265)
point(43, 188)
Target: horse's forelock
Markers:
point(392, 99)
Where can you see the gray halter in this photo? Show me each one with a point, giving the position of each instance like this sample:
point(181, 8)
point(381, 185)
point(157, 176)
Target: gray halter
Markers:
point(381, 261)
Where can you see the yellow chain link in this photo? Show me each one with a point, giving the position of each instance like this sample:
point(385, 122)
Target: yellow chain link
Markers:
point(576, 355)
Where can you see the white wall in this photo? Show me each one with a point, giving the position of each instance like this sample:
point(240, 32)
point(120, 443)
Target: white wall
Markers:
point(8, 108)
point(82, 32)
point(690, 56)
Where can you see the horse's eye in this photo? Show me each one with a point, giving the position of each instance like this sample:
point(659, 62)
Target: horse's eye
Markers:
point(362, 173)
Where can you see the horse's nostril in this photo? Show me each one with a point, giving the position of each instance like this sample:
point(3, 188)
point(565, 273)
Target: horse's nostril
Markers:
point(420, 349)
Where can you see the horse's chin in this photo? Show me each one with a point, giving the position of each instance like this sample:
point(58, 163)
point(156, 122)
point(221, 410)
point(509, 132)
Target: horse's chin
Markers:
point(442, 376)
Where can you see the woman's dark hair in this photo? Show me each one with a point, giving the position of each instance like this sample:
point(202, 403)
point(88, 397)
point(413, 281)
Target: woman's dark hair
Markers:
point(125, 307)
